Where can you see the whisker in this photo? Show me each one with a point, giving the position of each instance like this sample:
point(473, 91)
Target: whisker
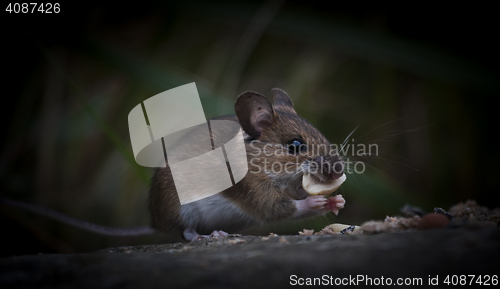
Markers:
point(365, 157)
point(380, 171)
point(401, 132)
point(384, 124)
point(400, 157)
point(292, 178)
point(347, 138)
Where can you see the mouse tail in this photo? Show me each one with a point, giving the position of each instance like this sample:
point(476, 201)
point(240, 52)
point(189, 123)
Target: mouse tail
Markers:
point(94, 228)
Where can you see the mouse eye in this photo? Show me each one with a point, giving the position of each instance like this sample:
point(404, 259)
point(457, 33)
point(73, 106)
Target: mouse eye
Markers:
point(296, 146)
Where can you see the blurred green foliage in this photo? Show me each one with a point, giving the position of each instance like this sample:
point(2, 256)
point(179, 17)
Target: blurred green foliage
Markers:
point(428, 107)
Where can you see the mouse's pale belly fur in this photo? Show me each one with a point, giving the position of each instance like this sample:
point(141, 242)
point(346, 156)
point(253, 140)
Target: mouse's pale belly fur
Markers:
point(218, 212)
point(215, 212)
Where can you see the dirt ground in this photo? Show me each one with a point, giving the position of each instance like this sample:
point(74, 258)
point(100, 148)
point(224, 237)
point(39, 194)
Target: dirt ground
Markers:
point(421, 257)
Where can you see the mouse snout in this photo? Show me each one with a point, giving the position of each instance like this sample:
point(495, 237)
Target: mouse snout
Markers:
point(330, 167)
point(338, 169)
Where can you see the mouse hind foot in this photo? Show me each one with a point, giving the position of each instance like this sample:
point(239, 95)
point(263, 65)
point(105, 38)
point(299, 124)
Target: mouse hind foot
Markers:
point(191, 235)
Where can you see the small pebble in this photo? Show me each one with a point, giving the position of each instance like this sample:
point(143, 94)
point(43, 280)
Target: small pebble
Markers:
point(306, 232)
point(433, 221)
point(283, 240)
point(185, 249)
point(236, 241)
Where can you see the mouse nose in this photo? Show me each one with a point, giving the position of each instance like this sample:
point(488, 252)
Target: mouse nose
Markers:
point(331, 167)
point(338, 169)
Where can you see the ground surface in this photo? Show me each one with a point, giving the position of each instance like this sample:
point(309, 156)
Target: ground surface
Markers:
point(251, 262)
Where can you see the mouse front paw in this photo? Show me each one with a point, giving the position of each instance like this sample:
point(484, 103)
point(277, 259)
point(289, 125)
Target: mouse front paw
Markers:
point(334, 204)
point(312, 203)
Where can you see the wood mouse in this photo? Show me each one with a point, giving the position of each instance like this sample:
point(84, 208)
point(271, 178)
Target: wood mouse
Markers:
point(275, 138)
point(281, 147)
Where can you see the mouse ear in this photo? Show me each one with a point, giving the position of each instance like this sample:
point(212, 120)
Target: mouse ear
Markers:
point(281, 98)
point(254, 112)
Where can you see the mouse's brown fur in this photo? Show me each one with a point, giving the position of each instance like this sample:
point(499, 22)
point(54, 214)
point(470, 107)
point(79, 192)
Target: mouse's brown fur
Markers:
point(264, 194)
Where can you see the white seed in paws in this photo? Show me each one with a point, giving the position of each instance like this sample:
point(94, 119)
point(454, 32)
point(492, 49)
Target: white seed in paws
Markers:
point(314, 188)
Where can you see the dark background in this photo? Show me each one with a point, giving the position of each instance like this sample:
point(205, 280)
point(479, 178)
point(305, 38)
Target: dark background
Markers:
point(418, 81)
